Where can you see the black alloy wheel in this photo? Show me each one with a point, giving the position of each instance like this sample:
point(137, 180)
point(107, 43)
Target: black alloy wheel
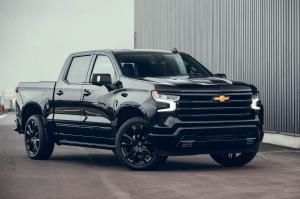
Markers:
point(234, 159)
point(134, 148)
point(135, 145)
point(32, 138)
point(38, 142)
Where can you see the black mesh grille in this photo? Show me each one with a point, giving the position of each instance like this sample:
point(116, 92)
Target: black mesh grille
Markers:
point(203, 107)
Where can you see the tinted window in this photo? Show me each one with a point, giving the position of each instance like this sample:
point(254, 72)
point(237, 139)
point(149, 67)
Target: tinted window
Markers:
point(103, 65)
point(193, 67)
point(78, 69)
point(154, 64)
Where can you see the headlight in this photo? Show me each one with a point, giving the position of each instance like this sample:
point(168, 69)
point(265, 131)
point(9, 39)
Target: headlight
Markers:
point(169, 99)
point(255, 99)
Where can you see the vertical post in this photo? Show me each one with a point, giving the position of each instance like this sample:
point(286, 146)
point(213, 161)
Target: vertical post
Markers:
point(2, 98)
point(134, 40)
point(2, 101)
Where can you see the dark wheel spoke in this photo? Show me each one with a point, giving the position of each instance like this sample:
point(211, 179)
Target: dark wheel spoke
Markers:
point(147, 143)
point(124, 144)
point(146, 155)
point(135, 145)
point(35, 146)
point(28, 133)
point(137, 130)
point(146, 137)
point(135, 156)
point(35, 127)
point(130, 154)
point(128, 137)
point(28, 141)
point(30, 129)
point(37, 142)
point(147, 152)
point(32, 140)
point(233, 155)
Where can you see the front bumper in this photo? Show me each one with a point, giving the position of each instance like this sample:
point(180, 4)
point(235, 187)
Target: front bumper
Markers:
point(188, 138)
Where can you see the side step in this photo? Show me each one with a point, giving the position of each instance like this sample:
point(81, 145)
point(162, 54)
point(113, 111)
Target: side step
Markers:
point(85, 144)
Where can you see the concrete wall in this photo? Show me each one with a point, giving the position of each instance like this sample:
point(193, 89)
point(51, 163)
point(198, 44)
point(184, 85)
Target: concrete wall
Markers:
point(256, 41)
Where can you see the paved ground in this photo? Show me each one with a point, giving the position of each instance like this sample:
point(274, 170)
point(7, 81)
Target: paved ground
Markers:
point(90, 173)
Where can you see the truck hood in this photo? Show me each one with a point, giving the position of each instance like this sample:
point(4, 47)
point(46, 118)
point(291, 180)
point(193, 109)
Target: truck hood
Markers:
point(186, 84)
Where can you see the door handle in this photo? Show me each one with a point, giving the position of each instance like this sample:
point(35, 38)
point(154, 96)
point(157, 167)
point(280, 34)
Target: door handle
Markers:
point(86, 92)
point(59, 92)
point(124, 94)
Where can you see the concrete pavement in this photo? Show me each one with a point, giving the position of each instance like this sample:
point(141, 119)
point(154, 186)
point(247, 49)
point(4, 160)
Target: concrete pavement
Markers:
point(75, 172)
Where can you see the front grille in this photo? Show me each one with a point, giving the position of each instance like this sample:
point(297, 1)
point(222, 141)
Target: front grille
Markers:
point(202, 107)
point(224, 135)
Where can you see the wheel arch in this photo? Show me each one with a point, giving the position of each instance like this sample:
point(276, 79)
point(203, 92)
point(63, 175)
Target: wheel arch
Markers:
point(31, 108)
point(127, 112)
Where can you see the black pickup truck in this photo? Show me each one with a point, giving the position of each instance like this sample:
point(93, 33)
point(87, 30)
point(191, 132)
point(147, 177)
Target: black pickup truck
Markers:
point(144, 105)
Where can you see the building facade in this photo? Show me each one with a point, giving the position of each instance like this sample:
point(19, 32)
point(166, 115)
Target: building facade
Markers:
point(256, 41)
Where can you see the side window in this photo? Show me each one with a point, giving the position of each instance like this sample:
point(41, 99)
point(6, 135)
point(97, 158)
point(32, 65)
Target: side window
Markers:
point(194, 67)
point(78, 69)
point(103, 65)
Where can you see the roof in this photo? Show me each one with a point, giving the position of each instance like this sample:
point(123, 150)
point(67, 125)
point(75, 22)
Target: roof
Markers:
point(122, 51)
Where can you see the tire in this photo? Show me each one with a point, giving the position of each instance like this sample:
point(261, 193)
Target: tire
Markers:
point(133, 147)
point(38, 143)
point(234, 159)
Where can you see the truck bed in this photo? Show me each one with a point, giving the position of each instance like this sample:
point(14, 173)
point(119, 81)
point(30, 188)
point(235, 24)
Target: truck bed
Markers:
point(35, 92)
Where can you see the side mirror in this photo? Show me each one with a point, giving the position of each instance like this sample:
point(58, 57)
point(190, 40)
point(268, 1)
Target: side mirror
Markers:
point(101, 79)
point(220, 75)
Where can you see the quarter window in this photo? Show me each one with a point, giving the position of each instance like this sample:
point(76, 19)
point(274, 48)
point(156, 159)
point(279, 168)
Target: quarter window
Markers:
point(78, 69)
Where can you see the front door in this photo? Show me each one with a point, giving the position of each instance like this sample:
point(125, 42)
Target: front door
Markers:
point(97, 103)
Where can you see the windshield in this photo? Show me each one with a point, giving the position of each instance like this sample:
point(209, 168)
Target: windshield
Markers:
point(157, 64)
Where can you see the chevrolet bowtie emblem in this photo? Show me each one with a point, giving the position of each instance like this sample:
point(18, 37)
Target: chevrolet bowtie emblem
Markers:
point(221, 98)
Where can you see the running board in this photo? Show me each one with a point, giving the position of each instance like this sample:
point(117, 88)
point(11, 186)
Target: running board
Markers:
point(85, 144)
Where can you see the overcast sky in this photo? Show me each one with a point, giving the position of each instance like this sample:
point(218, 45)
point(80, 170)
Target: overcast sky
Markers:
point(36, 36)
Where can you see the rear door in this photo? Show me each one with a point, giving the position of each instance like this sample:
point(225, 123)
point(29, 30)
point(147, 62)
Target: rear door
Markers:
point(68, 96)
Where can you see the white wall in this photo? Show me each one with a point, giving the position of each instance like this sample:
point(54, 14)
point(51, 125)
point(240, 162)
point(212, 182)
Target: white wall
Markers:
point(36, 36)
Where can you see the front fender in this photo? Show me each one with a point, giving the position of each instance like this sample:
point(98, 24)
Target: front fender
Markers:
point(134, 103)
